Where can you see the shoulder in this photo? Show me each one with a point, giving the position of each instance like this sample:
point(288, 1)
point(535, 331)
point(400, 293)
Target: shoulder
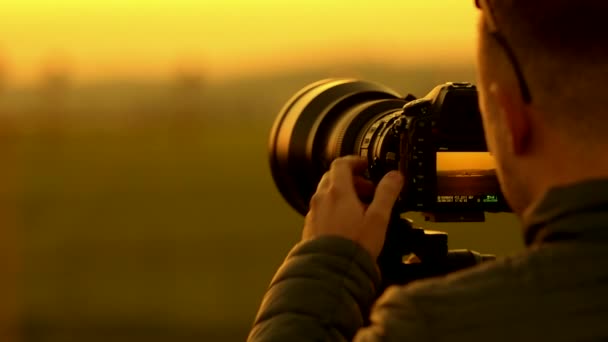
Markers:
point(480, 301)
point(450, 302)
point(472, 282)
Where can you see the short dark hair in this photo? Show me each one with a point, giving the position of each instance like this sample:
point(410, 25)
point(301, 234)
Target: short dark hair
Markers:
point(572, 28)
point(563, 50)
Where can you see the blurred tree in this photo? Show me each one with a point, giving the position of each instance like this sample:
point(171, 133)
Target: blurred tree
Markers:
point(3, 74)
point(54, 87)
point(55, 77)
point(188, 97)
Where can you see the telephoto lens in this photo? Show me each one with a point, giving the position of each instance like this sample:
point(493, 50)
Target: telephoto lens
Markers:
point(437, 142)
point(324, 121)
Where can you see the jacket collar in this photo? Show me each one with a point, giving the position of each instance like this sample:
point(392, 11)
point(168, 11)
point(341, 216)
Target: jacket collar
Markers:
point(570, 212)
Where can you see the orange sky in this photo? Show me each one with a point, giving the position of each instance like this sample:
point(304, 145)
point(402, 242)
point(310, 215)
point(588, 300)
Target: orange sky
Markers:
point(150, 38)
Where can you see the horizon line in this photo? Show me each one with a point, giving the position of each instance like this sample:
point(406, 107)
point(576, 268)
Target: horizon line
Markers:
point(339, 68)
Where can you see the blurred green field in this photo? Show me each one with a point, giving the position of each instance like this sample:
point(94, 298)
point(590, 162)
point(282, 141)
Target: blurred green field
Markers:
point(147, 224)
point(147, 232)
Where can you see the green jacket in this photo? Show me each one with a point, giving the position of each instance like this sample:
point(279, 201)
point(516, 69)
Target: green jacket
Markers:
point(557, 290)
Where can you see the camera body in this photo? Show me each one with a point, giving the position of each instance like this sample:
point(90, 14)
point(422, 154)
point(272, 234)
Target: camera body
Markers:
point(446, 121)
point(437, 142)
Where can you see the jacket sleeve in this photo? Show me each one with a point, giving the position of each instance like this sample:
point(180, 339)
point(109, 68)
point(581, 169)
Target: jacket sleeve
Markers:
point(322, 292)
point(395, 317)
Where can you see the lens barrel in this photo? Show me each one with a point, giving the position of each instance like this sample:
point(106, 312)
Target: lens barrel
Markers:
point(322, 122)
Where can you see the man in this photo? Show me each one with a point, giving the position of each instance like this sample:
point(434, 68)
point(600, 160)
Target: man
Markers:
point(542, 65)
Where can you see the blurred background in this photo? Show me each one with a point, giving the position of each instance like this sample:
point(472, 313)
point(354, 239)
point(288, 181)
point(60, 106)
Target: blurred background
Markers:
point(136, 202)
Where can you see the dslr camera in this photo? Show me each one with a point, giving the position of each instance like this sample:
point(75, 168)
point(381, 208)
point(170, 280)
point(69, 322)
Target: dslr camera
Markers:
point(437, 142)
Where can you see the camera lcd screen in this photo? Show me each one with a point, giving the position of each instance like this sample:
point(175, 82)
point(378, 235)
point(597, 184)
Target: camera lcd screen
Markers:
point(466, 177)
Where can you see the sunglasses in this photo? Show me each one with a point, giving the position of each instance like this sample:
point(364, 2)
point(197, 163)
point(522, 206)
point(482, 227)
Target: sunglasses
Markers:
point(500, 38)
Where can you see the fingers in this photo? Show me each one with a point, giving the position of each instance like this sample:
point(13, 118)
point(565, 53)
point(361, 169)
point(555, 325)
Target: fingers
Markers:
point(388, 189)
point(343, 169)
point(324, 182)
point(365, 189)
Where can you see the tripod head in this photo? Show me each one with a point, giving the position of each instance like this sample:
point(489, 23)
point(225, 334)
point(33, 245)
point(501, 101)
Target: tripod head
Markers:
point(430, 248)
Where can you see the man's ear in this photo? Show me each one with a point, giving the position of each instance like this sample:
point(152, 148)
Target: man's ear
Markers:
point(514, 116)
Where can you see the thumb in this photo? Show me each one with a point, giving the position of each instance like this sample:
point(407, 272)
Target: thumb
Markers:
point(379, 211)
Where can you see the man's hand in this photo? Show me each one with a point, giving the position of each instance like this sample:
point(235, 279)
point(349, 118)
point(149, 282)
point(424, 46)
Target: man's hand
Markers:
point(339, 206)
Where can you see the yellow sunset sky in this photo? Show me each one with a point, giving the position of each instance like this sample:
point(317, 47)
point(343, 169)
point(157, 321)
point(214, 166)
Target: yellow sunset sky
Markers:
point(227, 38)
point(449, 161)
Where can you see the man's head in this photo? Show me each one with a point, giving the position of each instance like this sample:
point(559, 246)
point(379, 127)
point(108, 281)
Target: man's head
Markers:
point(559, 135)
